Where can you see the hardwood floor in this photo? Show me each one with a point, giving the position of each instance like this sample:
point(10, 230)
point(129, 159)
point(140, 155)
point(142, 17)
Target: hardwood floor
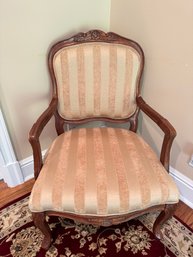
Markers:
point(8, 194)
point(183, 212)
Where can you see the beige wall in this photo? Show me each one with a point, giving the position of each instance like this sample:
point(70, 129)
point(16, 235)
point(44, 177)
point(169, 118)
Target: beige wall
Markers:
point(164, 30)
point(26, 30)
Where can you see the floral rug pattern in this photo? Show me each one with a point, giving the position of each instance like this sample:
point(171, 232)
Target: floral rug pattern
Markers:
point(20, 238)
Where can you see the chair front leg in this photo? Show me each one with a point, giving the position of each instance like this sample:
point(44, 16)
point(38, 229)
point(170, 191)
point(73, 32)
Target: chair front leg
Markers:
point(166, 214)
point(40, 222)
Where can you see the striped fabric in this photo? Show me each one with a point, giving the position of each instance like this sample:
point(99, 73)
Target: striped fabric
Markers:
point(101, 171)
point(96, 79)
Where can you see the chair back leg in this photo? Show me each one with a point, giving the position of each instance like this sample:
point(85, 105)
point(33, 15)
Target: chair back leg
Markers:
point(166, 214)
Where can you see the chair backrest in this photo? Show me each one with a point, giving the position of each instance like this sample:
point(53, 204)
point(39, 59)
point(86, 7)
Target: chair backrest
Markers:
point(96, 74)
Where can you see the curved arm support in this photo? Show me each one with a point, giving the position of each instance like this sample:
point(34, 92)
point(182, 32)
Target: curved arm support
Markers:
point(166, 127)
point(35, 132)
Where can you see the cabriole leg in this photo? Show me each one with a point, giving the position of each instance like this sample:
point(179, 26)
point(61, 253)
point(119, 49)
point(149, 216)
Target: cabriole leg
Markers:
point(40, 222)
point(166, 214)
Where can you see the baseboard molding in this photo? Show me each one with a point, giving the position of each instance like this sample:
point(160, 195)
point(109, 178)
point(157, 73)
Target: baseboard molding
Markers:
point(10, 169)
point(12, 174)
point(27, 166)
point(184, 184)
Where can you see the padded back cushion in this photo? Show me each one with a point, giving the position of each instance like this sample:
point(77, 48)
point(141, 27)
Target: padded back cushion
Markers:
point(96, 80)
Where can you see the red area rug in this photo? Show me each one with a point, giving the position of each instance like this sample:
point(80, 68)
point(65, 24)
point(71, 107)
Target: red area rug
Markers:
point(20, 238)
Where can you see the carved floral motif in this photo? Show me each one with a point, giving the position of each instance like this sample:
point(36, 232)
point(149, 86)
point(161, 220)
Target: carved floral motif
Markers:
point(94, 35)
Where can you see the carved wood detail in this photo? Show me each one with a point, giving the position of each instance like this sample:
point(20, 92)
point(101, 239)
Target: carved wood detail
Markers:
point(95, 35)
point(106, 220)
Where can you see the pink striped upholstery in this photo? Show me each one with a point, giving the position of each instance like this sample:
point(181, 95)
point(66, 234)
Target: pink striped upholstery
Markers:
point(101, 171)
point(96, 79)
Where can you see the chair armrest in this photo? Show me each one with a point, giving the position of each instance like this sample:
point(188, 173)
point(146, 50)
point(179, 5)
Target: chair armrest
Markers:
point(166, 127)
point(35, 132)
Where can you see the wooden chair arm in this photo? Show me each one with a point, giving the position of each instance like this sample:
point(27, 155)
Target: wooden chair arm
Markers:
point(35, 132)
point(165, 126)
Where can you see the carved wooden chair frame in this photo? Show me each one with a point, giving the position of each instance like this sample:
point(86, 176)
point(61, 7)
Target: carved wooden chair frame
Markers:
point(61, 124)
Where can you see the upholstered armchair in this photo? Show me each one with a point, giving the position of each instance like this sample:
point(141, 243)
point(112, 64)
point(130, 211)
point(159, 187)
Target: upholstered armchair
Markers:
point(99, 175)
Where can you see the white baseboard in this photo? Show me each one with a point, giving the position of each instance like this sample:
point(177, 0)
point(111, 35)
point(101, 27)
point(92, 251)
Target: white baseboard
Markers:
point(184, 184)
point(12, 173)
point(10, 170)
point(27, 166)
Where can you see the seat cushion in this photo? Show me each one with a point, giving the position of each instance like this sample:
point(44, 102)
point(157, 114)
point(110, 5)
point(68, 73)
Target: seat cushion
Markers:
point(101, 171)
